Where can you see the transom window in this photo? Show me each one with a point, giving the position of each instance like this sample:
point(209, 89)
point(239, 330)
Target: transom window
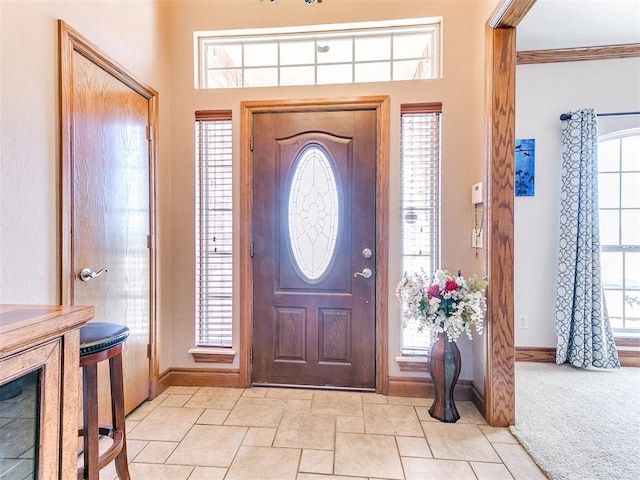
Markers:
point(619, 205)
point(321, 54)
point(420, 204)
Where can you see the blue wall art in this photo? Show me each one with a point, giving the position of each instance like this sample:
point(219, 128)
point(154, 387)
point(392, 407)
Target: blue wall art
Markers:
point(525, 167)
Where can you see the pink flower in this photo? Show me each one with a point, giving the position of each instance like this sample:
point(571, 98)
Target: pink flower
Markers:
point(450, 286)
point(433, 291)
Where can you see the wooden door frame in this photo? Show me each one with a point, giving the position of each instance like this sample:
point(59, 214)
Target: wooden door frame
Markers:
point(381, 106)
point(70, 42)
point(500, 104)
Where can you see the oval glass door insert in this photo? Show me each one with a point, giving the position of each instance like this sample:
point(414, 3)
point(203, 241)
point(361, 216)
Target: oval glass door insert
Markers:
point(314, 213)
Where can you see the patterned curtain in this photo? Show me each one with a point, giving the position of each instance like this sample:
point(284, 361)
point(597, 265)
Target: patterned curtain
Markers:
point(582, 324)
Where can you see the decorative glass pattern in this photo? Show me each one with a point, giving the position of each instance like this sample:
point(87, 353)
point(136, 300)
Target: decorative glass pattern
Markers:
point(314, 213)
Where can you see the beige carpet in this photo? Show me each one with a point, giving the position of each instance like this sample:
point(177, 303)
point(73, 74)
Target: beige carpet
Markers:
point(579, 424)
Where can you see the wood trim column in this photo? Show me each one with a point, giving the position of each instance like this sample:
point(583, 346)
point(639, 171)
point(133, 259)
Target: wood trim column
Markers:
point(500, 58)
point(500, 122)
point(509, 13)
point(605, 52)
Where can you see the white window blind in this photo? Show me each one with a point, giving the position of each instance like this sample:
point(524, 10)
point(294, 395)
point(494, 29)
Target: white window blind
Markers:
point(420, 203)
point(213, 229)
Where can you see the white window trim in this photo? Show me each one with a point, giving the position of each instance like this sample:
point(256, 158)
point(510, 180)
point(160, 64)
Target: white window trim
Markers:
point(212, 354)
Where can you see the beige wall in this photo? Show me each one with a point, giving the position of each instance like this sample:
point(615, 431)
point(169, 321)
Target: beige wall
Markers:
point(478, 110)
point(154, 41)
point(131, 33)
point(460, 91)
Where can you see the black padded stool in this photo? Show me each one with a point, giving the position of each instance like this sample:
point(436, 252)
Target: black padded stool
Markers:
point(99, 342)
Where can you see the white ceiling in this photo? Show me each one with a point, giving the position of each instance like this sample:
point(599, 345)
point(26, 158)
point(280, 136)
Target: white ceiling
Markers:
point(579, 23)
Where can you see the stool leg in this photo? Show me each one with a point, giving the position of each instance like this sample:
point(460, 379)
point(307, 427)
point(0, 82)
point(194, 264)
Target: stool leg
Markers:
point(117, 412)
point(90, 419)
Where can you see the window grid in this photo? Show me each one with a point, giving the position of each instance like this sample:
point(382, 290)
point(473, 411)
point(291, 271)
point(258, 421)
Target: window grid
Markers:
point(619, 158)
point(221, 70)
point(214, 237)
point(420, 205)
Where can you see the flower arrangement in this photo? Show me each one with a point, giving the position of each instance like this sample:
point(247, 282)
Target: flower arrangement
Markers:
point(447, 304)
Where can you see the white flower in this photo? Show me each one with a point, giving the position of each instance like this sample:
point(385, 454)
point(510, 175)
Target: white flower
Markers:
point(448, 304)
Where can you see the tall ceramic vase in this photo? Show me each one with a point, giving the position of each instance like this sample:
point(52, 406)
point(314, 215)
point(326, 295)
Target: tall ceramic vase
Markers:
point(445, 370)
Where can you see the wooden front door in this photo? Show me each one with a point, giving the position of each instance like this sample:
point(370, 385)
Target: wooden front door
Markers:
point(108, 228)
point(314, 229)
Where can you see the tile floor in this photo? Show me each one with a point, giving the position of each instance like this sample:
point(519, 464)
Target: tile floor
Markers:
point(191, 433)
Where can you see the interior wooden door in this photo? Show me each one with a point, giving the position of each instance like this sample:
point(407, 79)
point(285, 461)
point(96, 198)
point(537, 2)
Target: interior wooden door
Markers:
point(110, 220)
point(314, 238)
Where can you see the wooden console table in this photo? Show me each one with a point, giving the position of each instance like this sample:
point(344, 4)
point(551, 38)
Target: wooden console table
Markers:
point(46, 339)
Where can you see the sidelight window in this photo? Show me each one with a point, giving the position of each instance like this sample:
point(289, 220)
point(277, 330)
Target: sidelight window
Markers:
point(420, 203)
point(213, 218)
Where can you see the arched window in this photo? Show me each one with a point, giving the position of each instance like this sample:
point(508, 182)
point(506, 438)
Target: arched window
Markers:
point(619, 205)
